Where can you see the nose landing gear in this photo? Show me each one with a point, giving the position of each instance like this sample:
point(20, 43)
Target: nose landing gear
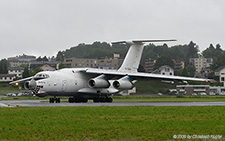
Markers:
point(56, 100)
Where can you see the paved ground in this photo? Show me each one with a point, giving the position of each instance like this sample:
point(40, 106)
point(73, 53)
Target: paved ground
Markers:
point(44, 103)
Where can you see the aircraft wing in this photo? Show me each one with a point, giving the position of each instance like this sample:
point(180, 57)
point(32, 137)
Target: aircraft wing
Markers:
point(21, 80)
point(139, 75)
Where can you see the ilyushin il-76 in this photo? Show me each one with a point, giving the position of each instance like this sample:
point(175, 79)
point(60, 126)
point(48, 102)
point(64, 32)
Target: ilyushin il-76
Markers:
point(82, 84)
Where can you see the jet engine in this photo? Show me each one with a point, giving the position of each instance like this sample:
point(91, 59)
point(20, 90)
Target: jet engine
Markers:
point(123, 83)
point(99, 82)
point(30, 85)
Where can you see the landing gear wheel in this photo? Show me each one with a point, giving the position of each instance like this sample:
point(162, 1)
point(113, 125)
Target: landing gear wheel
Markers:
point(96, 100)
point(81, 100)
point(103, 99)
point(71, 100)
point(109, 100)
point(57, 100)
point(52, 100)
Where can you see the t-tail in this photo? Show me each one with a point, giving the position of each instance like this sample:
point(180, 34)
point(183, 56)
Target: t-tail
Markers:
point(133, 57)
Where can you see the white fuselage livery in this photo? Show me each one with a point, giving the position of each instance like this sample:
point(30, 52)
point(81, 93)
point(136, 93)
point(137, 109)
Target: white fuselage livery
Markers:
point(69, 82)
point(81, 84)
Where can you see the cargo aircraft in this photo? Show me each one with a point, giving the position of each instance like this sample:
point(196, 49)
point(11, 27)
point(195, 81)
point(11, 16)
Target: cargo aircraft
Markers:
point(82, 84)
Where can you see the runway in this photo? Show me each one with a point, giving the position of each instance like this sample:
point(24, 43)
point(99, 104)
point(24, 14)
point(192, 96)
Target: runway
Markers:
point(45, 103)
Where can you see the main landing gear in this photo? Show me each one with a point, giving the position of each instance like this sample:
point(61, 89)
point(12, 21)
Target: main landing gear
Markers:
point(103, 99)
point(77, 100)
point(56, 100)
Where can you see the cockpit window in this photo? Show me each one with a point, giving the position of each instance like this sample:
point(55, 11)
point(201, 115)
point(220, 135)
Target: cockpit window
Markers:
point(41, 76)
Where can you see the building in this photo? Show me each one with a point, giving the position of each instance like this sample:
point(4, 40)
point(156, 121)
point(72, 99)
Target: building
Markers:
point(193, 89)
point(47, 67)
point(220, 72)
point(128, 92)
point(104, 63)
point(19, 60)
point(149, 63)
point(18, 71)
point(178, 64)
point(109, 63)
point(217, 90)
point(7, 77)
point(35, 64)
point(80, 63)
point(201, 63)
point(164, 70)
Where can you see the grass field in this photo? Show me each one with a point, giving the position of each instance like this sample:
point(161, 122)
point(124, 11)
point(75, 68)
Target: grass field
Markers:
point(168, 98)
point(110, 123)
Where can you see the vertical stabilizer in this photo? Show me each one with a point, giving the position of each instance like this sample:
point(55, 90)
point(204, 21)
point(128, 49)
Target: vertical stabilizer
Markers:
point(133, 57)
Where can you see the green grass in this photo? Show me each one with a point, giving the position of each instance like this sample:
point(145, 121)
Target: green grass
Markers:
point(168, 98)
point(109, 123)
point(153, 87)
point(6, 88)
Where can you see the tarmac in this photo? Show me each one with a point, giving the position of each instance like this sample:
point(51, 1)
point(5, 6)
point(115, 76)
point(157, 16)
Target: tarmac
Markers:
point(45, 103)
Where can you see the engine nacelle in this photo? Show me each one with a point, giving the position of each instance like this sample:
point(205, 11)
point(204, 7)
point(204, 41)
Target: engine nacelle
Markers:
point(30, 85)
point(99, 82)
point(26, 85)
point(123, 83)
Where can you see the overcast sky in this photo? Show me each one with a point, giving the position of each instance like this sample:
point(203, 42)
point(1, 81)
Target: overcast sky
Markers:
point(43, 27)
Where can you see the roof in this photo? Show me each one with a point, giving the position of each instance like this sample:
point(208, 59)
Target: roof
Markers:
point(219, 69)
point(7, 75)
point(15, 68)
point(44, 62)
point(165, 66)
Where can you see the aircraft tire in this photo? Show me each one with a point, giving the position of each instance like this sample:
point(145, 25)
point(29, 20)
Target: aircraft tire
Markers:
point(103, 99)
point(109, 100)
point(57, 100)
point(71, 100)
point(96, 100)
point(77, 100)
point(84, 100)
point(51, 100)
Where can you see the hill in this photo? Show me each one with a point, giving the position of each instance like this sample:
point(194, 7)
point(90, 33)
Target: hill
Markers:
point(100, 50)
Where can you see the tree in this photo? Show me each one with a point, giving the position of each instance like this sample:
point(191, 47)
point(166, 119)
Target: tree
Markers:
point(209, 52)
point(219, 62)
point(191, 70)
point(42, 59)
point(164, 60)
point(60, 56)
point(3, 66)
point(185, 72)
point(36, 70)
point(212, 52)
point(192, 50)
point(61, 66)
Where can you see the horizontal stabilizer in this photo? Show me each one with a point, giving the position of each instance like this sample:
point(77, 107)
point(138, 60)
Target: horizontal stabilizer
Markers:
point(141, 41)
